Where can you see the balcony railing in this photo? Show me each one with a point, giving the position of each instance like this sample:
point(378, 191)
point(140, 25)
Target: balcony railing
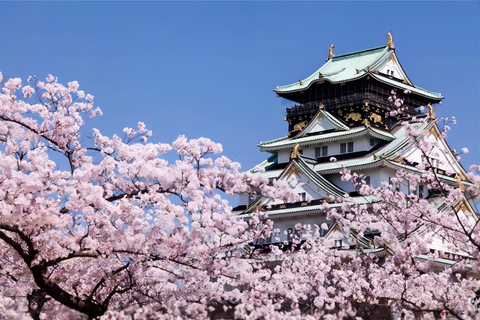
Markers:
point(347, 101)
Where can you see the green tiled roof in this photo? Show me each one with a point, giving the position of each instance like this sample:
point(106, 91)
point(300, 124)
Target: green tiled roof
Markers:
point(343, 68)
point(311, 208)
point(403, 86)
point(399, 142)
point(319, 180)
point(332, 136)
point(352, 66)
point(271, 161)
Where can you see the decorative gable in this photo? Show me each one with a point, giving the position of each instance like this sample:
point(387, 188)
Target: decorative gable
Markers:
point(308, 184)
point(323, 121)
point(303, 185)
point(439, 155)
point(320, 124)
point(393, 69)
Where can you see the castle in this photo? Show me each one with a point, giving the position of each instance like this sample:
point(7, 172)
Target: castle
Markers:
point(355, 112)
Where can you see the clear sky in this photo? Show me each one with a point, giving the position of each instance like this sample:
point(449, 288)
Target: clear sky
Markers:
point(208, 68)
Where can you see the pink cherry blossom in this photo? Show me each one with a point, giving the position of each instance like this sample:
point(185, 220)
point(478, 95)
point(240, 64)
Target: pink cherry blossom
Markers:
point(107, 228)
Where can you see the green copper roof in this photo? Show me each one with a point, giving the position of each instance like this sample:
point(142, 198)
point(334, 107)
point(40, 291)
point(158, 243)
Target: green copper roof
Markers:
point(403, 86)
point(288, 143)
point(319, 180)
point(344, 67)
point(352, 66)
point(312, 208)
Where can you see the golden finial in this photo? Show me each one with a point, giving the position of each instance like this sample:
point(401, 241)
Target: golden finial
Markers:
point(330, 52)
point(295, 151)
point(390, 40)
point(431, 112)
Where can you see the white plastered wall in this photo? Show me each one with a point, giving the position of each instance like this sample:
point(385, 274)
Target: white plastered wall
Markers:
point(377, 175)
point(284, 223)
point(301, 184)
point(392, 65)
point(359, 144)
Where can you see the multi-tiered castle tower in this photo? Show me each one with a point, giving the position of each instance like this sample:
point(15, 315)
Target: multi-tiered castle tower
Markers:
point(347, 115)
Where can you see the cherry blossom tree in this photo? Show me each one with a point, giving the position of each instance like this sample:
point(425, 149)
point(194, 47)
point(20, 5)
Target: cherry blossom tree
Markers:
point(92, 226)
point(107, 228)
point(396, 275)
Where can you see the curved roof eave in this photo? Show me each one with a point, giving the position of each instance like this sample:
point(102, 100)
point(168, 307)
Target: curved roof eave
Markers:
point(313, 81)
point(329, 137)
point(334, 136)
point(358, 65)
point(418, 90)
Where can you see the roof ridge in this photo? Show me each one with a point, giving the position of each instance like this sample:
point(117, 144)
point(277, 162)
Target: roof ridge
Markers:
point(272, 141)
point(356, 53)
point(318, 179)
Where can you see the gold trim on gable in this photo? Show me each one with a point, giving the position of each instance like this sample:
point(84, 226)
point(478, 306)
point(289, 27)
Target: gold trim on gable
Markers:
point(461, 206)
point(293, 169)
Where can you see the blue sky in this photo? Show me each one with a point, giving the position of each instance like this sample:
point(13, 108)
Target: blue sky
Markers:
point(208, 68)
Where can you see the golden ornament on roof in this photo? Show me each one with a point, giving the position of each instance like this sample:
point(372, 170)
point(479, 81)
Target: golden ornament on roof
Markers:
point(300, 126)
point(330, 52)
point(431, 112)
point(390, 40)
point(354, 116)
point(375, 117)
point(295, 151)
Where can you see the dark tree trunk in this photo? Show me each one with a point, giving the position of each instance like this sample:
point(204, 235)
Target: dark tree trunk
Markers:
point(36, 300)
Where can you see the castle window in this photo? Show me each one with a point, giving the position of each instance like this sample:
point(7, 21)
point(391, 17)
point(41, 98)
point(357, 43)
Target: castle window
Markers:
point(434, 162)
point(346, 147)
point(323, 232)
point(395, 185)
point(372, 142)
point(303, 196)
point(420, 191)
point(321, 151)
point(289, 233)
point(359, 182)
point(338, 243)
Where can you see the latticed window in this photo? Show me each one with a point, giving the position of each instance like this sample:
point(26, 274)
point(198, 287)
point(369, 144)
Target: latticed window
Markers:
point(324, 151)
point(321, 151)
point(346, 147)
